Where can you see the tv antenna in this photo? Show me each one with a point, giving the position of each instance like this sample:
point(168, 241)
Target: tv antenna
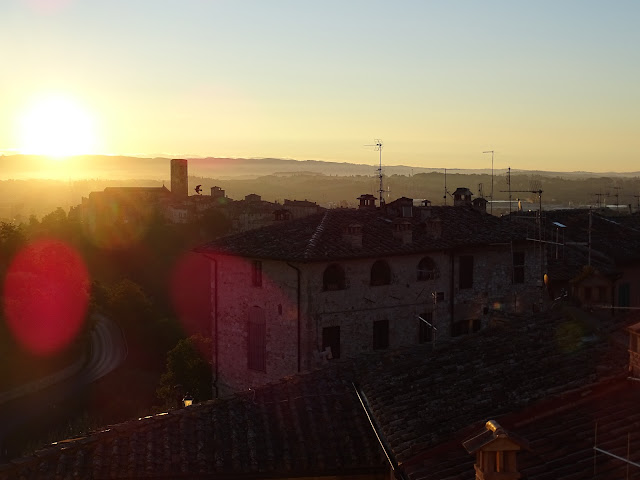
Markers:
point(491, 152)
point(378, 148)
point(446, 192)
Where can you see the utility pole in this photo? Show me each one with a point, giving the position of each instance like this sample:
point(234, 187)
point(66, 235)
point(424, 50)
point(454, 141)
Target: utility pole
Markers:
point(491, 152)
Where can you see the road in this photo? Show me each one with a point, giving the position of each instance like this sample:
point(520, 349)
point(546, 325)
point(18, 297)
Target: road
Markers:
point(37, 401)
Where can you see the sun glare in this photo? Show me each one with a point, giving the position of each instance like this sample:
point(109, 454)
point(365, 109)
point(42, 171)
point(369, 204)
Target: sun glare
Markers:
point(56, 126)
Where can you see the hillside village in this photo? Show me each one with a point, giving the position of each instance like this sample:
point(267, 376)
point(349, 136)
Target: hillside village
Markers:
point(395, 339)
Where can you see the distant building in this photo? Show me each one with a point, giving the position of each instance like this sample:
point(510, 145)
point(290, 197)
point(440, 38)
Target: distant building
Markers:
point(179, 178)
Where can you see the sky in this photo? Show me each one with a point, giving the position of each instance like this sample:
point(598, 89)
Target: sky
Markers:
point(547, 85)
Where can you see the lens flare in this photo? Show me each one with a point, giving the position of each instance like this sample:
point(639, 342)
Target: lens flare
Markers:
point(45, 296)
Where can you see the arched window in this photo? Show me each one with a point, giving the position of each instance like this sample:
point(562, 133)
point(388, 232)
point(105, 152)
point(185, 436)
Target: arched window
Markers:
point(427, 270)
point(256, 340)
point(333, 278)
point(380, 273)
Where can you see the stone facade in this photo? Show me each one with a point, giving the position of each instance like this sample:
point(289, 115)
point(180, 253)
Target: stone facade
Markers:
point(304, 312)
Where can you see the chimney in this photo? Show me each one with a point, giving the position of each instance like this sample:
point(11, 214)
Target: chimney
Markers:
point(352, 234)
point(495, 451)
point(462, 197)
point(367, 201)
point(480, 204)
point(402, 231)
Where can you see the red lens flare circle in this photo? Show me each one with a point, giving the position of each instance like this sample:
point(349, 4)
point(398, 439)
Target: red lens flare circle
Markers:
point(46, 293)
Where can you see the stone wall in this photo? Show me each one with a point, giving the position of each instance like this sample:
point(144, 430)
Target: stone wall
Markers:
point(277, 297)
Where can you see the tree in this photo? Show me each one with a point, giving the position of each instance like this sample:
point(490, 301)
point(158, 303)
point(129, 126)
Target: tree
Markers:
point(12, 238)
point(188, 364)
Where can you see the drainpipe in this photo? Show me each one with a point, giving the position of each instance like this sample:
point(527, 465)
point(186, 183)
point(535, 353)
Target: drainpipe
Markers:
point(215, 323)
point(452, 294)
point(298, 308)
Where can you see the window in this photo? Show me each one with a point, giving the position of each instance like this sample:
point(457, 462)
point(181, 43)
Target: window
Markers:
point(331, 338)
point(587, 293)
point(518, 267)
point(624, 295)
point(380, 334)
point(425, 332)
point(333, 278)
point(256, 340)
point(427, 270)
point(465, 273)
point(380, 273)
point(256, 273)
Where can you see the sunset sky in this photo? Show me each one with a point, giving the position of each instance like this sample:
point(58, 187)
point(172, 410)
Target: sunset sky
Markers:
point(550, 85)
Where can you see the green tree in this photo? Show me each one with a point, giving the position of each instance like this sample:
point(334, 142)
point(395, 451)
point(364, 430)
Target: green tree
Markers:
point(189, 365)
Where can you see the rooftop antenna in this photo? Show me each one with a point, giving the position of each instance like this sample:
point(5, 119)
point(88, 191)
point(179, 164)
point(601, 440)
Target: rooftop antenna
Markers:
point(378, 148)
point(446, 192)
point(617, 195)
point(599, 199)
point(509, 184)
point(491, 152)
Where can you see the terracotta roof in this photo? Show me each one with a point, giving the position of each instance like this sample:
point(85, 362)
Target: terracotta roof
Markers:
point(319, 237)
point(302, 426)
point(561, 436)
point(420, 398)
point(615, 236)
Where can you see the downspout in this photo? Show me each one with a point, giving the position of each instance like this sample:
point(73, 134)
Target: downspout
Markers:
point(452, 295)
point(298, 309)
point(214, 311)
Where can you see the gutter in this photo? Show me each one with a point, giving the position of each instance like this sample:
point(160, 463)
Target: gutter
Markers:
point(397, 473)
point(452, 284)
point(214, 311)
point(298, 309)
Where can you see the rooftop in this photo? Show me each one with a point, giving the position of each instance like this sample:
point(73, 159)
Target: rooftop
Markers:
point(319, 237)
point(420, 398)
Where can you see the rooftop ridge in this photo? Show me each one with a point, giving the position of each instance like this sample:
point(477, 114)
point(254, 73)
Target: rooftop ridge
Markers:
point(316, 235)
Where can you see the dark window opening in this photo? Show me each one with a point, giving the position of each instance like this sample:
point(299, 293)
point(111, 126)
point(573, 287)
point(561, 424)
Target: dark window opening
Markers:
point(587, 293)
point(256, 340)
point(466, 272)
point(256, 273)
point(425, 332)
point(333, 278)
point(380, 334)
point(624, 295)
point(427, 270)
point(380, 273)
point(518, 267)
point(331, 338)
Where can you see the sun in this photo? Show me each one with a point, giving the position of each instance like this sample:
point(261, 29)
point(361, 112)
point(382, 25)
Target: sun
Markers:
point(56, 126)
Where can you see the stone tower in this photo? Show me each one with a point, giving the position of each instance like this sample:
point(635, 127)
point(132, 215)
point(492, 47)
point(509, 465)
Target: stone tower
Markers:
point(179, 178)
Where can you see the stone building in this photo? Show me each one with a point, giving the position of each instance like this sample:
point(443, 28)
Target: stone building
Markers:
point(288, 297)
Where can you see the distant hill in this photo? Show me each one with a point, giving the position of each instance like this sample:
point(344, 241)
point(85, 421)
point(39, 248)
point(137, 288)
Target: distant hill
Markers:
point(129, 167)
